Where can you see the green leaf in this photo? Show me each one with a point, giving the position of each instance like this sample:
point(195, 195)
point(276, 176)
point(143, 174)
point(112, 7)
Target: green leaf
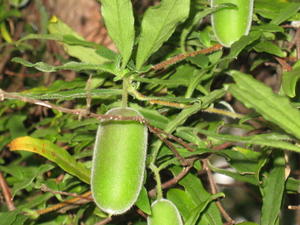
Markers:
point(269, 47)
point(248, 178)
point(273, 188)
point(261, 139)
point(158, 24)
point(143, 201)
point(271, 106)
point(24, 177)
point(198, 75)
point(187, 112)
point(239, 46)
point(197, 18)
point(288, 11)
point(4, 14)
point(12, 218)
point(247, 163)
point(54, 153)
point(194, 187)
point(82, 50)
point(76, 66)
point(247, 223)
point(289, 82)
point(155, 118)
point(69, 94)
point(244, 41)
point(269, 27)
point(195, 213)
point(182, 200)
point(88, 54)
point(244, 160)
point(293, 185)
point(16, 126)
point(119, 21)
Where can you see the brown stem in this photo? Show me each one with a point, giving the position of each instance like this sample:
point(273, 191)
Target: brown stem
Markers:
point(183, 56)
point(173, 149)
point(82, 199)
point(213, 188)
point(44, 188)
point(171, 182)
point(105, 221)
point(6, 193)
point(170, 136)
point(294, 207)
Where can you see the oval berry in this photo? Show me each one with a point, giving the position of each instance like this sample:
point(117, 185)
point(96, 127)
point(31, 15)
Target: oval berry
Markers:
point(118, 162)
point(230, 24)
point(164, 212)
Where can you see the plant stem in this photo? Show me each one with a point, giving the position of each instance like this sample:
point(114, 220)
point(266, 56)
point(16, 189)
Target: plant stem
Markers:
point(155, 170)
point(125, 92)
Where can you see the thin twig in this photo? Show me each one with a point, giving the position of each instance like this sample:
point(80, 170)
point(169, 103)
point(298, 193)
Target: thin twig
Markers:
point(213, 188)
point(294, 207)
point(285, 66)
point(74, 201)
point(44, 188)
point(152, 100)
point(141, 213)
point(183, 56)
point(6, 193)
point(105, 221)
point(173, 149)
point(223, 146)
point(156, 130)
point(171, 182)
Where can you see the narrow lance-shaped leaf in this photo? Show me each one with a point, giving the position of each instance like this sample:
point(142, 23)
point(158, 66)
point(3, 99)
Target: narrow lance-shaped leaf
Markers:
point(92, 53)
point(69, 94)
point(143, 201)
point(76, 66)
point(289, 82)
point(119, 21)
point(271, 106)
point(273, 188)
point(261, 139)
point(61, 32)
point(158, 24)
point(54, 153)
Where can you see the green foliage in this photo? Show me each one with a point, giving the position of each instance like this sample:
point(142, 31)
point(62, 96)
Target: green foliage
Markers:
point(273, 107)
point(158, 24)
point(210, 111)
point(118, 16)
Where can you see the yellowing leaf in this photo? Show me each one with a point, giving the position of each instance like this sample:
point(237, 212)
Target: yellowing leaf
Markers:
point(52, 152)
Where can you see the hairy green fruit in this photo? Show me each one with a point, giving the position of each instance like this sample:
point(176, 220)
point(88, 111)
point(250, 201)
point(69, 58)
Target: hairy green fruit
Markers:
point(230, 24)
point(164, 212)
point(118, 162)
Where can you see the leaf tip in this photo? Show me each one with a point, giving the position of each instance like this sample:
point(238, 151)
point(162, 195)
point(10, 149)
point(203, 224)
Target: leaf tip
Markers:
point(18, 143)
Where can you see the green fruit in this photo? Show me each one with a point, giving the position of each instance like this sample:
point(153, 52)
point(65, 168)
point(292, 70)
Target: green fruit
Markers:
point(118, 162)
point(230, 25)
point(164, 212)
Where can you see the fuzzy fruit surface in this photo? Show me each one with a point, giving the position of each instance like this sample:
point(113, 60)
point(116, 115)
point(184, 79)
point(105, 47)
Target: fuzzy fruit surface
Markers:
point(164, 212)
point(230, 25)
point(118, 162)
